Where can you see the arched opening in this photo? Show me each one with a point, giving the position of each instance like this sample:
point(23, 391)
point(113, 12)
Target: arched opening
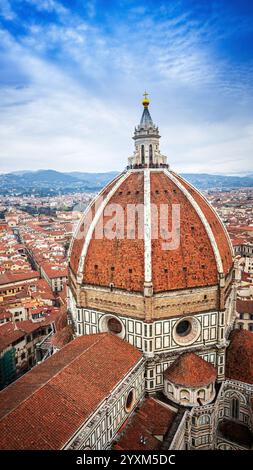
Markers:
point(204, 419)
point(114, 326)
point(235, 408)
point(184, 396)
point(201, 394)
point(130, 401)
point(150, 154)
point(169, 388)
point(142, 155)
point(183, 328)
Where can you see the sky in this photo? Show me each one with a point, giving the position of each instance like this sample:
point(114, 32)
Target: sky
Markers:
point(73, 72)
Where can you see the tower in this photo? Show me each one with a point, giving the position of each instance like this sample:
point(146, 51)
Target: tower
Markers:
point(146, 137)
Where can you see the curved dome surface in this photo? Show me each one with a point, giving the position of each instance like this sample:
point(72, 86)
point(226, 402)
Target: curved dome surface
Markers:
point(190, 370)
point(126, 260)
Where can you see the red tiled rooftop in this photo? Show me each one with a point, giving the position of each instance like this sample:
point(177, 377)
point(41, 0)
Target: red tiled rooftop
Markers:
point(45, 407)
point(239, 356)
point(236, 432)
point(78, 242)
point(62, 337)
point(244, 306)
point(9, 334)
point(152, 420)
point(10, 277)
point(215, 224)
point(190, 370)
point(120, 261)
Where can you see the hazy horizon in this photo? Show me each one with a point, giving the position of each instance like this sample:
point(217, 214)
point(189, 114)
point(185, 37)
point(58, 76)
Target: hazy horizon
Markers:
point(241, 175)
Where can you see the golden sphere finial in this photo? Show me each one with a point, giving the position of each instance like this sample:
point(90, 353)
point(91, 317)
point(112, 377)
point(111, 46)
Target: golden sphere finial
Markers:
point(145, 102)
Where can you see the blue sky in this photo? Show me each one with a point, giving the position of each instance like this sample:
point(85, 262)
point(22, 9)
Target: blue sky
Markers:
point(73, 73)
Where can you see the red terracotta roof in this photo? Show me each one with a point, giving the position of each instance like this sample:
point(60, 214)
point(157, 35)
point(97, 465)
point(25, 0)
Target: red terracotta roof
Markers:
point(244, 306)
point(239, 356)
point(8, 334)
point(121, 260)
point(45, 407)
point(120, 254)
point(193, 262)
point(62, 337)
point(153, 419)
point(78, 242)
point(10, 277)
point(215, 224)
point(54, 271)
point(190, 370)
point(236, 432)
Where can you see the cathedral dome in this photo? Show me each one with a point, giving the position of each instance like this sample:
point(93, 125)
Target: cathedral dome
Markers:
point(201, 258)
point(190, 370)
point(149, 231)
point(190, 380)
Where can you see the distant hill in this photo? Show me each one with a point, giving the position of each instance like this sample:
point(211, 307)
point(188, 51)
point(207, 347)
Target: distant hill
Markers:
point(94, 178)
point(206, 181)
point(51, 182)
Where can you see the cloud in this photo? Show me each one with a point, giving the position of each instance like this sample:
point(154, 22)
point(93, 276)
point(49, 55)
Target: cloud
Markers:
point(6, 10)
point(70, 101)
point(51, 6)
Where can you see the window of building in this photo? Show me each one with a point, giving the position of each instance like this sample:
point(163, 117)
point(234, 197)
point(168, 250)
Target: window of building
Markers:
point(184, 395)
point(142, 155)
point(183, 328)
point(150, 154)
point(235, 408)
point(169, 388)
point(250, 326)
point(114, 326)
point(130, 400)
point(201, 394)
point(204, 419)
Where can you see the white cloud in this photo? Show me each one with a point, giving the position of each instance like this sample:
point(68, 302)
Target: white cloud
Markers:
point(74, 99)
point(6, 10)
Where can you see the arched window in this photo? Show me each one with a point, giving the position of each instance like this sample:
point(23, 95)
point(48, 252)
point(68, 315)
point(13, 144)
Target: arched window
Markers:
point(142, 155)
point(150, 154)
point(201, 394)
point(235, 408)
point(204, 419)
point(169, 388)
point(184, 395)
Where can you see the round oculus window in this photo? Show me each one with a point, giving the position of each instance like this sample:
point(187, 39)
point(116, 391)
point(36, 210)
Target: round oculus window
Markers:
point(183, 328)
point(111, 324)
point(130, 401)
point(186, 331)
point(114, 326)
